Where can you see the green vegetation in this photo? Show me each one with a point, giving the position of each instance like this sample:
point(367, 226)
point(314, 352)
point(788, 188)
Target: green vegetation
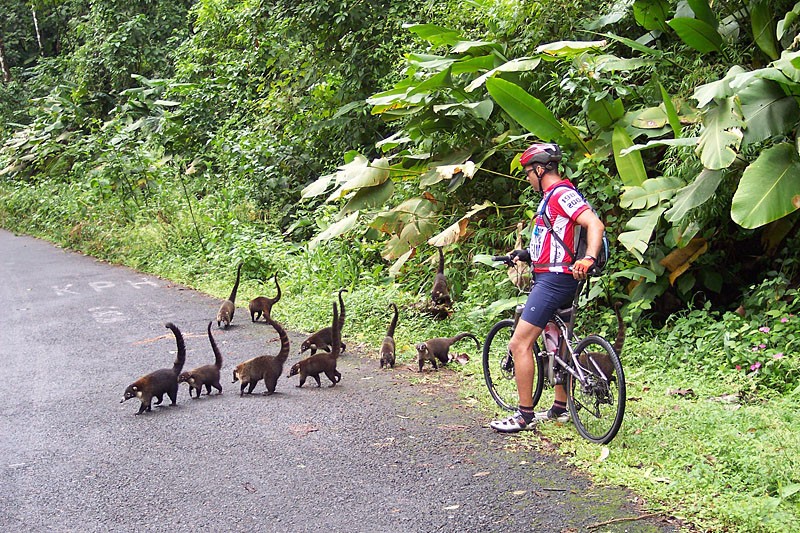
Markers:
point(334, 142)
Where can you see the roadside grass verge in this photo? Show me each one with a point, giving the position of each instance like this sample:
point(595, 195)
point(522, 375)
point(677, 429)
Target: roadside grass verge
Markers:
point(717, 453)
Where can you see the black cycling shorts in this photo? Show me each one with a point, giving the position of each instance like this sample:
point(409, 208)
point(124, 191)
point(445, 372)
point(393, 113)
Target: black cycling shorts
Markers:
point(551, 291)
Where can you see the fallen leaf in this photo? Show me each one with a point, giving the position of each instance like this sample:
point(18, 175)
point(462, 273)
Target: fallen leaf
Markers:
point(481, 474)
point(686, 393)
point(249, 488)
point(603, 454)
point(451, 507)
point(519, 492)
point(404, 417)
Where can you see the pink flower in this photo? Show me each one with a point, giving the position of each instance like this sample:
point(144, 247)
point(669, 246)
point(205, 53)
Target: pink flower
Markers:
point(755, 366)
point(738, 367)
point(778, 355)
point(784, 320)
point(762, 346)
point(763, 329)
point(754, 349)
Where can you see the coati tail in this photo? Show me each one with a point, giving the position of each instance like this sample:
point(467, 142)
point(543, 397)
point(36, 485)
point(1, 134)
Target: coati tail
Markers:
point(181, 357)
point(214, 348)
point(278, 296)
point(620, 340)
point(464, 335)
point(440, 270)
point(393, 325)
point(340, 322)
point(232, 297)
point(283, 355)
point(336, 336)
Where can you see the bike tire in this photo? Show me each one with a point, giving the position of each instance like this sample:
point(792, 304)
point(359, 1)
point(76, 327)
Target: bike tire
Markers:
point(498, 368)
point(598, 408)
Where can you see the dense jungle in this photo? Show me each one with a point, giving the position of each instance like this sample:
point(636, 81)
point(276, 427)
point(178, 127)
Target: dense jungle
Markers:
point(338, 144)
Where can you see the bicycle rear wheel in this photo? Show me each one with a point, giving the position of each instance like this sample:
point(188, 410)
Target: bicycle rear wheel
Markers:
point(498, 368)
point(598, 405)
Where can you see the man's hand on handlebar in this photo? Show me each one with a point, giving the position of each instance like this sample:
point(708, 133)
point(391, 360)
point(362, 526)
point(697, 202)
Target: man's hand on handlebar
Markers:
point(514, 257)
point(582, 267)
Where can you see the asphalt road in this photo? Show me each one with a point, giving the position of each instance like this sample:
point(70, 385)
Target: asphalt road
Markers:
point(375, 453)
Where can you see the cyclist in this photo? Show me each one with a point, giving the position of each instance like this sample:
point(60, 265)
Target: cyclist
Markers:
point(555, 275)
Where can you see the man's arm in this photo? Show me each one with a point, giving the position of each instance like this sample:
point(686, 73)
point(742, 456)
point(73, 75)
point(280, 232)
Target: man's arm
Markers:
point(594, 234)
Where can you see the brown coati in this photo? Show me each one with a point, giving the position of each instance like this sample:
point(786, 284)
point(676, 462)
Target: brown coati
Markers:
point(266, 367)
point(207, 375)
point(439, 348)
point(263, 305)
point(440, 293)
point(322, 339)
point(228, 307)
point(388, 348)
point(601, 358)
point(160, 382)
point(323, 362)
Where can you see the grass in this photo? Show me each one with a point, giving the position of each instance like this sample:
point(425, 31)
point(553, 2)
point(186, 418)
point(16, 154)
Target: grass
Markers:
point(708, 450)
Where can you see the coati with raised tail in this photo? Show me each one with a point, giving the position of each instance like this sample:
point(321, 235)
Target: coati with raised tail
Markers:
point(439, 348)
point(388, 348)
point(266, 367)
point(206, 375)
point(440, 293)
point(323, 338)
point(323, 362)
point(160, 382)
point(600, 357)
point(262, 305)
point(228, 307)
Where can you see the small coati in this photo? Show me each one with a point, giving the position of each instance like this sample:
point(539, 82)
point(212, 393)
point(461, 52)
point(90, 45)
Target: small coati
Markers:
point(388, 348)
point(262, 305)
point(323, 362)
point(440, 293)
point(207, 375)
point(439, 348)
point(266, 367)
point(228, 307)
point(600, 357)
point(160, 382)
point(323, 338)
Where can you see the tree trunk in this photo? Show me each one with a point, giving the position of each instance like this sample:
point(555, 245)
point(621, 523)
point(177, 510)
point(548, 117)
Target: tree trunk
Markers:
point(4, 62)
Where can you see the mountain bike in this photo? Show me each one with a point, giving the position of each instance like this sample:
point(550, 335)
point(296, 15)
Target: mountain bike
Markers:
point(588, 367)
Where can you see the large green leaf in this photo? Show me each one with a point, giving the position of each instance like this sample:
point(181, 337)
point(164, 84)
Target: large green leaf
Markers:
point(769, 188)
point(568, 49)
point(605, 111)
point(767, 110)
point(694, 194)
point(721, 136)
point(762, 19)
point(334, 230)
point(672, 114)
point(788, 20)
point(640, 227)
point(370, 197)
point(652, 192)
point(528, 110)
point(436, 35)
point(521, 64)
point(717, 90)
point(697, 34)
point(651, 14)
point(360, 173)
point(703, 12)
point(630, 167)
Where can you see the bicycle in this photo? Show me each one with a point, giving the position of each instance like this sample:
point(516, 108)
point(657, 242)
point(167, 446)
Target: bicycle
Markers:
point(588, 367)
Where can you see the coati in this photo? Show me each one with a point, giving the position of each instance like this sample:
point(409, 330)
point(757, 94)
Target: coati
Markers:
point(228, 307)
point(266, 367)
point(322, 339)
point(323, 362)
point(601, 358)
point(388, 348)
point(160, 382)
point(207, 375)
point(263, 305)
point(440, 293)
point(520, 273)
point(439, 348)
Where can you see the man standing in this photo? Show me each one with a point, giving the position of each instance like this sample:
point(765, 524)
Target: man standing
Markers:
point(555, 274)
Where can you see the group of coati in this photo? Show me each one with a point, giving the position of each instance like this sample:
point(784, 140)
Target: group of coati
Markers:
point(325, 345)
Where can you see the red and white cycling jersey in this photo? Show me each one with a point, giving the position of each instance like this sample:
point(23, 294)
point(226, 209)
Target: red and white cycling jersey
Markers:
point(565, 204)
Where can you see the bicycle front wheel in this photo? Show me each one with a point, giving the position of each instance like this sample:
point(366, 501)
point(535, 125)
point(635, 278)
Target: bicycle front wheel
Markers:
point(498, 368)
point(598, 404)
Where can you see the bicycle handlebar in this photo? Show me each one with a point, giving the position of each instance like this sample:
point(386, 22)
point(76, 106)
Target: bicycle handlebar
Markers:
point(504, 259)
